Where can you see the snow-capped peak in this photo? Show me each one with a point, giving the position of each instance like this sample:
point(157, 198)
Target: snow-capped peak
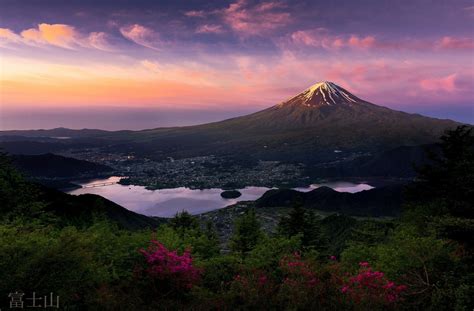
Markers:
point(327, 93)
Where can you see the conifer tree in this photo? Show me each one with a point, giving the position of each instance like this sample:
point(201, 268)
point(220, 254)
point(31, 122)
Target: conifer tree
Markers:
point(247, 233)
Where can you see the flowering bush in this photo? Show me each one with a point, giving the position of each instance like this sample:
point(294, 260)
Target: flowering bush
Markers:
point(250, 289)
point(169, 267)
point(372, 288)
point(301, 285)
point(298, 271)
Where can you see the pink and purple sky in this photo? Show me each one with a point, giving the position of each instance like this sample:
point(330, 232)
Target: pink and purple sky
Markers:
point(144, 64)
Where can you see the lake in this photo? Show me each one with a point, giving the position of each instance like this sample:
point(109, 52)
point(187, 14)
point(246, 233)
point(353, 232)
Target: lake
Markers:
point(167, 202)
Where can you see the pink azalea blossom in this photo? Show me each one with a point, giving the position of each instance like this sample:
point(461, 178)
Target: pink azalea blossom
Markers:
point(164, 264)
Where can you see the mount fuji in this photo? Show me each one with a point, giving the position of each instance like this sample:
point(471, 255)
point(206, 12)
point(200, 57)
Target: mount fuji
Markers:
point(324, 122)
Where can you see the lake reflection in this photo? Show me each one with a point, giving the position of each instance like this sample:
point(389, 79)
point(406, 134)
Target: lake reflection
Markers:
point(167, 202)
point(340, 186)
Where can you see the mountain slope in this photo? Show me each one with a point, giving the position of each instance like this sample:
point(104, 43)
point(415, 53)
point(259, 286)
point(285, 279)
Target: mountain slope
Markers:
point(307, 127)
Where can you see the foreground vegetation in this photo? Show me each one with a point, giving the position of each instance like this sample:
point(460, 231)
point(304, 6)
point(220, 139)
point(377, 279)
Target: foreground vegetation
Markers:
point(423, 260)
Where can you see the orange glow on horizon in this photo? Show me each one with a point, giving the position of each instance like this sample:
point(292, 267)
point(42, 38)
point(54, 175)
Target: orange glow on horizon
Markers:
point(53, 85)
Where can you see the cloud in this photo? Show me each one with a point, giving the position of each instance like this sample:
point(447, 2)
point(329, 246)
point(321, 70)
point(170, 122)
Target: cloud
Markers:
point(7, 37)
point(383, 81)
point(100, 41)
point(456, 43)
point(447, 84)
point(151, 65)
point(188, 72)
point(65, 36)
point(469, 10)
point(142, 35)
point(58, 35)
point(321, 38)
point(249, 20)
point(196, 14)
point(365, 43)
point(210, 28)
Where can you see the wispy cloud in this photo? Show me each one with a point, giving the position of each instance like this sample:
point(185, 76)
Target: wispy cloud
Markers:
point(247, 19)
point(447, 84)
point(196, 13)
point(142, 35)
point(58, 35)
point(322, 38)
point(469, 10)
point(456, 43)
point(7, 36)
point(260, 19)
point(100, 41)
point(210, 29)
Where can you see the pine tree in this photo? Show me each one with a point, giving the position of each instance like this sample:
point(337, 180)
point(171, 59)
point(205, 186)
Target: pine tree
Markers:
point(184, 221)
point(247, 233)
point(212, 239)
point(306, 224)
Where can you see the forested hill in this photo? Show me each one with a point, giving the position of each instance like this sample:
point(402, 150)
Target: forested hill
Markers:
point(21, 197)
point(384, 201)
point(55, 166)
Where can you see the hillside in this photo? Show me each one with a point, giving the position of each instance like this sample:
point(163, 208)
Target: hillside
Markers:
point(384, 201)
point(55, 166)
point(400, 162)
point(87, 208)
point(20, 197)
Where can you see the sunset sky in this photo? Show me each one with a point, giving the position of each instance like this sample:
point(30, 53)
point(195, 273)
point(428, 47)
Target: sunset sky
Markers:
point(141, 64)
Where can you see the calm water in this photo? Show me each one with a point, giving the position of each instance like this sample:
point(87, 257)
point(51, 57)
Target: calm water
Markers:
point(167, 202)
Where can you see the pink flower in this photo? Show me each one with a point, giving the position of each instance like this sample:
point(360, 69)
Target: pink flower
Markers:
point(389, 285)
point(164, 264)
point(333, 258)
point(370, 286)
point(401, 288)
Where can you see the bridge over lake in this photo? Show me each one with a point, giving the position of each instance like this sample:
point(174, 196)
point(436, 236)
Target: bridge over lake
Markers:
point(100, 184)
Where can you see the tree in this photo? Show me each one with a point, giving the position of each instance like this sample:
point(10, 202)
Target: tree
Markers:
point(184, 221)
point(247, 233)
point(440, 215)
point(18, 197)
point(306, 224)
point(443, 195)
point(211, 241)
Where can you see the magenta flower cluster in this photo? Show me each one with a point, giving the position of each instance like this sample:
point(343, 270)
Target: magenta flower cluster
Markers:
point(373, 286)
point(167, 265)
point(298, 271)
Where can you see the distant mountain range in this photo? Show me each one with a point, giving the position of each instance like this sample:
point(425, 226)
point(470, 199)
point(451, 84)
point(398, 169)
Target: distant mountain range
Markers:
point(323, 123)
